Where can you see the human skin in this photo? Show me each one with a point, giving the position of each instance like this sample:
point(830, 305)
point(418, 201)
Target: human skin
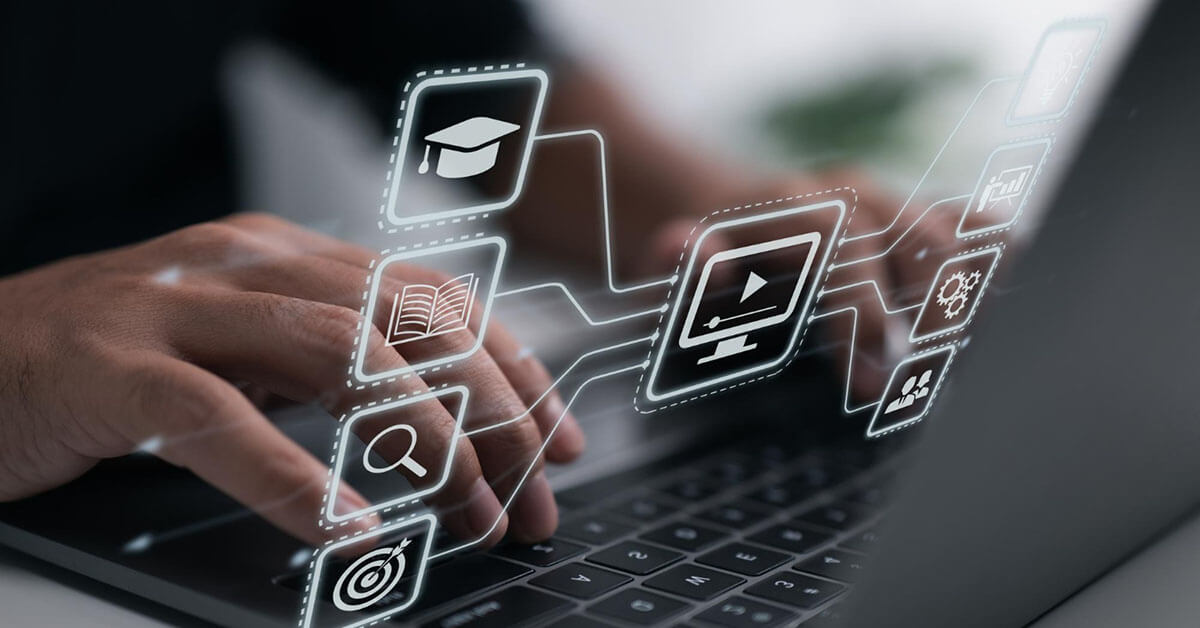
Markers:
point(139, 347)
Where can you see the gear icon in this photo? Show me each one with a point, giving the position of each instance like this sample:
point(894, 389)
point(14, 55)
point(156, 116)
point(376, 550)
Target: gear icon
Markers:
point(953, 293)
point(955, 304)
point(972, 280)
point(957, 281)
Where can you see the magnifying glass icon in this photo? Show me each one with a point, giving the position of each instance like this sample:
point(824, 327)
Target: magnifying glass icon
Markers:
point(405, 461)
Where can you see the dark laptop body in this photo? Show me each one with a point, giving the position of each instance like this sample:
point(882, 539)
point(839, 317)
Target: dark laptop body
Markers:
point(1070, 435)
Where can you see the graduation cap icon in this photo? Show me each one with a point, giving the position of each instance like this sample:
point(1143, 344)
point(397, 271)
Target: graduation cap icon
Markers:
point(467, 148)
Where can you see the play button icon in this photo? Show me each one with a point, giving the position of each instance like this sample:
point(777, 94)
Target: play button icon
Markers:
point(754, 283)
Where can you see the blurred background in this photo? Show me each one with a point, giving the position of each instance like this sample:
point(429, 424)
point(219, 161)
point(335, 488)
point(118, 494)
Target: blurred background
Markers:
point(773, 84)
point(777, 83)
point(818, 81)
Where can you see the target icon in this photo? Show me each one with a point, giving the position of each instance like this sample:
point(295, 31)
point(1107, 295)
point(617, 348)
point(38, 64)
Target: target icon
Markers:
point(370, 578)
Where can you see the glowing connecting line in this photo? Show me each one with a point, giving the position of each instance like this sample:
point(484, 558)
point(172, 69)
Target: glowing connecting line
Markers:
point(962, 120)
point(545, 442)
point(566, 371)
point(849, 362)
point(878, 293)
point(608, 253)
point(897, 241)
point(578, 306)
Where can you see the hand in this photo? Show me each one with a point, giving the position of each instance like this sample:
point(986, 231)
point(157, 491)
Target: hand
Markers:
point(901, 271)
point(134, 348)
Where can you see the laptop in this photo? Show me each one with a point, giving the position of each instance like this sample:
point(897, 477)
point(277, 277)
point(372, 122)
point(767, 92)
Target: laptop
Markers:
point(1063, 443)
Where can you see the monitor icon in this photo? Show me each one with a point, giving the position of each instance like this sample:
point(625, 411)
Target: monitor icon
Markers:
point(770, 279)
point(740, 310)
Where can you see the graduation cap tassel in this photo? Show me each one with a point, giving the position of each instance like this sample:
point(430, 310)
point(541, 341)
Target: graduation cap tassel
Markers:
point(424, 167)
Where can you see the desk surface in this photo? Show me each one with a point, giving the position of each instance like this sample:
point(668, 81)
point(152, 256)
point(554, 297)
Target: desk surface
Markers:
point(1155, 588)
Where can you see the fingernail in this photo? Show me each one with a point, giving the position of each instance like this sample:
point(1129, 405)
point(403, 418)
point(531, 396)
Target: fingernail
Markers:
point(534, 512)
point(569, 439)
point(349, 500)
point(368, 522)
point(483, 509)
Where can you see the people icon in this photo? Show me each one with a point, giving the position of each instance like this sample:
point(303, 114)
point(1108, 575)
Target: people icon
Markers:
point(907, 396)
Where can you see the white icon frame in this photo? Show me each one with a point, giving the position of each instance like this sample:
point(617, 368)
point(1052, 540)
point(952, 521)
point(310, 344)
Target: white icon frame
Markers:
point(872, 431)
point(1100, 26)
point(346, 432)
point(413, 106)
point(360, 355)
point(1048, 144)
point(322, 557)
point(995, 251)
point(668, 336)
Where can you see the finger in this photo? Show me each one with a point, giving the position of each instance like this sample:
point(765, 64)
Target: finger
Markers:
point(507, 439)
point(533, 384)
point(331, 281)
point(258, 336)
point(286, 237)
point(516, 438)
point(292, 237)
point(866, 330)
point(918, 248)
point(204, 424)
point(504, 433)
point(466, 505)
point(312, 278)
point(323, 280)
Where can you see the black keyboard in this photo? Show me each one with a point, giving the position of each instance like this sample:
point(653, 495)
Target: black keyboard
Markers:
point(750, 536)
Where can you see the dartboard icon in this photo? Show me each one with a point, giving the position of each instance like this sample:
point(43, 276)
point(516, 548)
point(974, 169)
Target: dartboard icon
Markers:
point(370, 578)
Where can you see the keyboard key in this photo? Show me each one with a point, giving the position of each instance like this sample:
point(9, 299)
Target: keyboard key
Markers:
point(693, 582)
point(594, 529)
point(685, 536)
point(463, 576)
point(794, 589)
point(737, 514)
point(876, 495)
point(692, 489)
point(834, 564)
point(578, 621)
point(638, 606)
point(744, 559)
point(509, 607)
point(782, 494)
point(580, 581)
point(635, 558)
point(733, 469)
point(836, 516)
point(642, 509)
point(816, 477)
point(773, 454)
point(830, 617)
point(544, 554)
point(591, 493)
point(864, 541)
point(740, 612)
point(791, 537)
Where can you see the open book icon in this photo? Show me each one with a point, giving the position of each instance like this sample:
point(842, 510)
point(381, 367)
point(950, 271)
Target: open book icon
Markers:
point(422, 311)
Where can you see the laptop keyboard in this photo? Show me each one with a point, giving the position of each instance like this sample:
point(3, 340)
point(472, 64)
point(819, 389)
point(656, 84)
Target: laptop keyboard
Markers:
point(747, 537)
